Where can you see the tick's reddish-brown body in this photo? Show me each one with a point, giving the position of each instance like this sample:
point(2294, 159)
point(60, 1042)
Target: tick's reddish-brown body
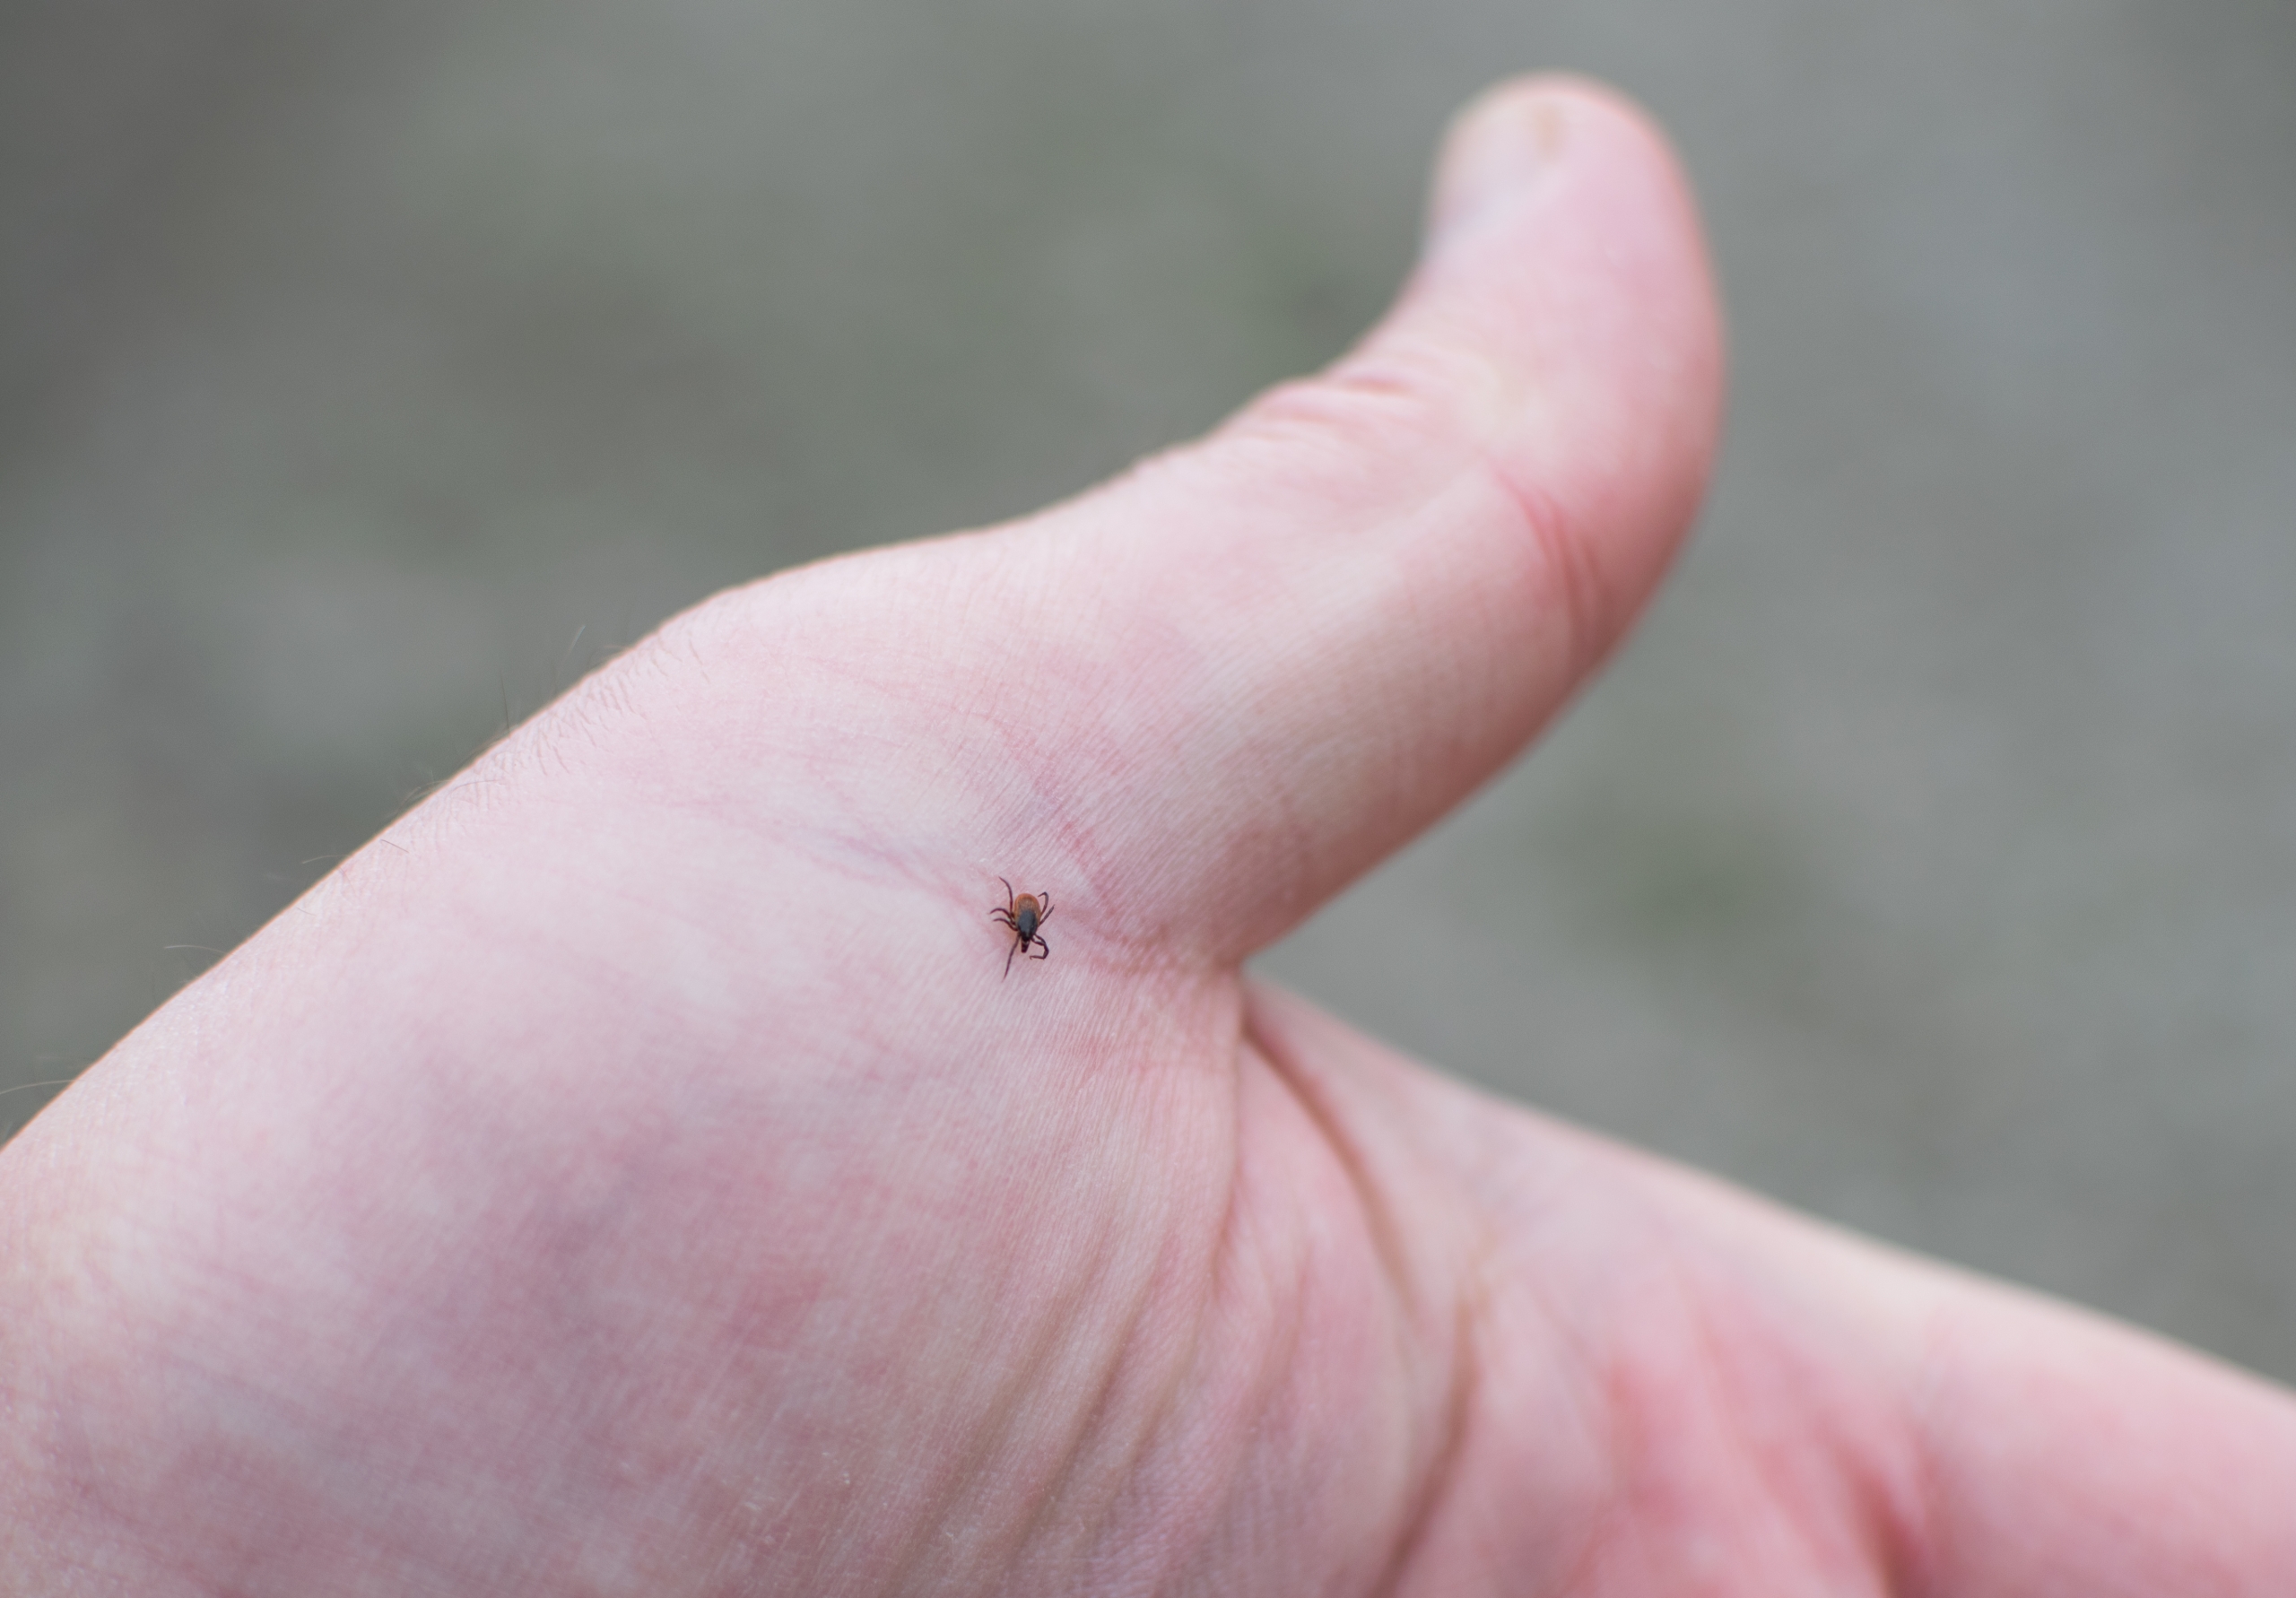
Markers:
point(1024, 913)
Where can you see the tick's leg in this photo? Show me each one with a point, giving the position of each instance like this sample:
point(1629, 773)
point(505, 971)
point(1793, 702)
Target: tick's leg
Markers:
point(1046, 912)
point(1009, 953)
point(1044, 949)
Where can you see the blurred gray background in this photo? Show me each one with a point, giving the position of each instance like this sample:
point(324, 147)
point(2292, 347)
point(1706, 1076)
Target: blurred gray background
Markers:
point(369, 370)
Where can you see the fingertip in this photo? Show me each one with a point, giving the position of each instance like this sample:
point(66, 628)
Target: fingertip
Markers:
point(1504, 142)
point(1497, 145)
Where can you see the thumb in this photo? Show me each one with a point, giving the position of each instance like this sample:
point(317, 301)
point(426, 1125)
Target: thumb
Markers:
point(1310, 634)
point(1201, 699)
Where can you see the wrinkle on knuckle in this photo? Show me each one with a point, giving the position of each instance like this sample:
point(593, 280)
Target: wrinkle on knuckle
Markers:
point(1406, 418)
point(1373, 418)
point(1571, 583)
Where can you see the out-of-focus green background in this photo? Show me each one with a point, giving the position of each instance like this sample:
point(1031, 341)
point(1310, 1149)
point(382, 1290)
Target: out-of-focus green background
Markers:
point(368, 369)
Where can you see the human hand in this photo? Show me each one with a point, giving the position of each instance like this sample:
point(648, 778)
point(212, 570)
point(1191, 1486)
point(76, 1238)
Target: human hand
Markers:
point(633, 1174)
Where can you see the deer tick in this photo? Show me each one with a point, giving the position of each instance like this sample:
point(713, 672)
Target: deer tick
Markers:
point(1024, 913)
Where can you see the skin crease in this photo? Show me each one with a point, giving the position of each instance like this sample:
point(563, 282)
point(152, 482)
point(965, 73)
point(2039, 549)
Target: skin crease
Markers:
point(631, 1175)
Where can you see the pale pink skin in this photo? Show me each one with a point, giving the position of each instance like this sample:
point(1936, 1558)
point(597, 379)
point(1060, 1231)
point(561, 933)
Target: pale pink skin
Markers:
point(631, 1175)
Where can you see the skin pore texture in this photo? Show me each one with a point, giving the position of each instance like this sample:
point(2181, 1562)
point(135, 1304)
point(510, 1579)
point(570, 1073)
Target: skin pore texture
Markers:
point(631, 1175)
